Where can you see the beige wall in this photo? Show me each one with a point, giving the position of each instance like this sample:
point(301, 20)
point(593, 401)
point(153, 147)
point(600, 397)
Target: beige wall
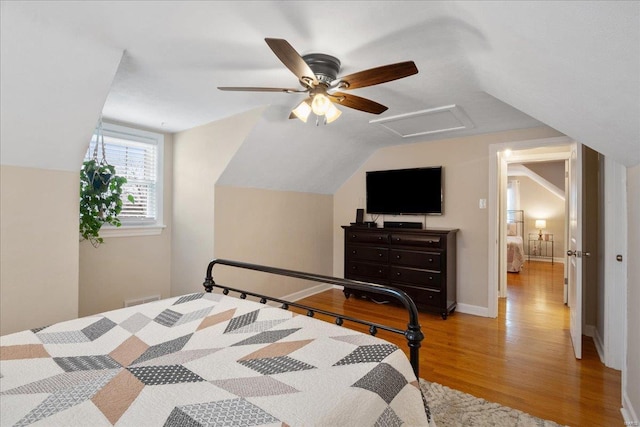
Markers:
point(200, 155)
point(124, 268)
point(539, 203)
point(276, 228)
point(632, 380)
point(466, 178)
point(39, 247)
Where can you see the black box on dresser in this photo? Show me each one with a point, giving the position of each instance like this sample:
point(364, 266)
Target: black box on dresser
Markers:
point(420, 262)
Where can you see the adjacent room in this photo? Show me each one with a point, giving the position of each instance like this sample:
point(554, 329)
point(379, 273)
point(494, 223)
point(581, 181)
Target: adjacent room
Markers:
point(339, 167)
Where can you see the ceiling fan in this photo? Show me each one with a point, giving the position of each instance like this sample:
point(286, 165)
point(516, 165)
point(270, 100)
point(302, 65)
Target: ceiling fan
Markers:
point(318, 75)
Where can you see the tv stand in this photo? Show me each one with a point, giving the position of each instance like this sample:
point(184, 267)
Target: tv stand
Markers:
point(420, 262)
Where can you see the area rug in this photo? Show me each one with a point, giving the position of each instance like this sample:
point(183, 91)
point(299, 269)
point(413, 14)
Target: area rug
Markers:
point(453, 408)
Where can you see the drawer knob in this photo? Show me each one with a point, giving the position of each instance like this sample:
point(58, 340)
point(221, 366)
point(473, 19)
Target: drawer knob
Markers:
point(353, 236)
point(397, 256)
point(430, 277)
point(398, 273)
point(354, 251)
point(430, 259)
point(379, 253)
point(380, 271)
point(430, 296)
point(397, 239)
point(379, 237)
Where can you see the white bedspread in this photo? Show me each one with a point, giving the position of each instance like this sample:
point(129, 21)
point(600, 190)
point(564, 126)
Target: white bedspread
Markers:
point(515, 254)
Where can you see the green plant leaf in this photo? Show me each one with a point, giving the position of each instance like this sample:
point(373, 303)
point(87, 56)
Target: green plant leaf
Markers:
point(100, 199)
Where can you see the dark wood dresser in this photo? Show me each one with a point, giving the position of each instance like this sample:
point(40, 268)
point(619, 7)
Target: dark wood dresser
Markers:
point(420, 262)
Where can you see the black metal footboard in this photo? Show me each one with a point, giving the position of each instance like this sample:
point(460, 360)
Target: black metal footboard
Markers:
point(413, 333)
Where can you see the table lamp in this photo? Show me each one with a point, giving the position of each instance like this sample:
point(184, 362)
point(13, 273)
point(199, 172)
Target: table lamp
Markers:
point(540, 224)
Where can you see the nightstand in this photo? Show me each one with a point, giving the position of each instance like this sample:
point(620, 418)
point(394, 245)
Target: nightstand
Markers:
point(541, 248)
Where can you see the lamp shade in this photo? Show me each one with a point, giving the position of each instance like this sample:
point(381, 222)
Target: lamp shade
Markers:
point(320, 104)
point(302, 111)
point(332, 113)
point(541, 223)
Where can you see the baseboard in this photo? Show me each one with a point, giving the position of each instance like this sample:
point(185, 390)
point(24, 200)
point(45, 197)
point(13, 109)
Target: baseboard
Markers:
point(589, 330)
point(473, 309)
point(597, 340)
point(545, 259)
point(629, 414)
point(461, 308)
point(296, 296)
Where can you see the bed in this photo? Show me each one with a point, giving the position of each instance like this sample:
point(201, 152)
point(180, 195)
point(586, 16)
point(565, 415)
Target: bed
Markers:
point(515, 243)
point(212, 359)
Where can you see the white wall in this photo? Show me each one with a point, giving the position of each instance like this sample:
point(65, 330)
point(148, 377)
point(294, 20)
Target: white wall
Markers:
point(200, 155)
point(466, 176)
point(39, 247)
point(283, 229)
point(539, 203)
point(631, 382)
point(124, 268)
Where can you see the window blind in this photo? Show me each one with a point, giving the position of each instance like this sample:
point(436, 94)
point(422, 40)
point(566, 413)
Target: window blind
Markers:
point(137, 162)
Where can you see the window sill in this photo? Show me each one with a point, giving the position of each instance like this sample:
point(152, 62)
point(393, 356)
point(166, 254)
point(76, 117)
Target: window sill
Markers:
point(131, 230)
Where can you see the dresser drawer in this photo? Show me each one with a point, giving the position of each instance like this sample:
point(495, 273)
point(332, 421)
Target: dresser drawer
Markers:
point(364, 270)
point(425, 297)
point(426, 260)
point(421, 240)
point(367, 253)
point(415, 276)
point(367, 237)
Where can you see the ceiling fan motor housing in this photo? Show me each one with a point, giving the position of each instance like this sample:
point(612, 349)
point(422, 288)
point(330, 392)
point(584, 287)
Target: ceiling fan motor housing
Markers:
point(325, 67)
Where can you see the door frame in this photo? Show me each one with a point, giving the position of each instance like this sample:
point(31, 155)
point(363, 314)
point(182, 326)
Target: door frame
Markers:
point(497, 177)
point(615, 341)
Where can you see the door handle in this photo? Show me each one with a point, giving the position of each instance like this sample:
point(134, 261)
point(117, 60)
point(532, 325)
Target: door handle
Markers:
point(578, 254)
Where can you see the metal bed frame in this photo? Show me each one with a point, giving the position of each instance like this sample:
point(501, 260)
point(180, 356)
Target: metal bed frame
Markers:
point(413, 333)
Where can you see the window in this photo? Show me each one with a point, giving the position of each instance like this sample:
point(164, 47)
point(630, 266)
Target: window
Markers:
point(138, 156)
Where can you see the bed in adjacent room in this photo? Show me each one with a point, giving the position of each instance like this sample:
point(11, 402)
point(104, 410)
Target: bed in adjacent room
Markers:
point(515, 242)
point(211, 359)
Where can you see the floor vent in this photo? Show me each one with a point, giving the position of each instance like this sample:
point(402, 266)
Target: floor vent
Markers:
point(425, 122)
point(138, 301)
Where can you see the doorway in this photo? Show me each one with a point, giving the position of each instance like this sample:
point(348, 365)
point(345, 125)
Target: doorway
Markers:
point(612, 346)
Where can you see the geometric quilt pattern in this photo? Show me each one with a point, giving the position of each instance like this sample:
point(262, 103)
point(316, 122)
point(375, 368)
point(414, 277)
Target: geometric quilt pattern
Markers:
point(232, 412)
point(199, 360)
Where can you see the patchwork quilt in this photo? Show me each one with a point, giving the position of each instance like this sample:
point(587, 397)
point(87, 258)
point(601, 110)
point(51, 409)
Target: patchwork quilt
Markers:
point(204, 360)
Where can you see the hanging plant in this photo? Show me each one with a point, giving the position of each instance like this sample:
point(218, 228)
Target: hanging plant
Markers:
point(100, 194)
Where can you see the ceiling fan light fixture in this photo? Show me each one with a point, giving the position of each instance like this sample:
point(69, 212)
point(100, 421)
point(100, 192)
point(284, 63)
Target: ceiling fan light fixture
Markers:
point(320, 104)
point(332, 113)
point(302, 111)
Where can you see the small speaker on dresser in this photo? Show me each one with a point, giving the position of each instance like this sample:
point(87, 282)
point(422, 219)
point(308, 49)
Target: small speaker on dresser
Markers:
point(359, 216)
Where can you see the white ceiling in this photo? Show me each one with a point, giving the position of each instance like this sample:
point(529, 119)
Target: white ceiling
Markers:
point(574, 66)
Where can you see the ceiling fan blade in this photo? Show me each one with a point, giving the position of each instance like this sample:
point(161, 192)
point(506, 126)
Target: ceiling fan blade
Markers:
point(292, 60)
point(357, 102)
point(374, 76)
point(260, 89)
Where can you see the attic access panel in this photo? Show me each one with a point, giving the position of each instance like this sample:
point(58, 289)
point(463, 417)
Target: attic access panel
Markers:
point(425, 122)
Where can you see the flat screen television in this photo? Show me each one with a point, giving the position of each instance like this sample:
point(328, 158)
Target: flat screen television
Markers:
point(416, 191)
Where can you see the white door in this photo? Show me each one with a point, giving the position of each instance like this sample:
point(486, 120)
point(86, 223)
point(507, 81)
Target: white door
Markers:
point(574, 248)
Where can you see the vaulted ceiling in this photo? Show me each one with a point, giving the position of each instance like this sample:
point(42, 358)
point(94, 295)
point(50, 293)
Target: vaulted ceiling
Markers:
point(574, 66)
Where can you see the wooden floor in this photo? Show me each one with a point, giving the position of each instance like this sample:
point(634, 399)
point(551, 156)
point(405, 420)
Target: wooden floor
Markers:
point(523, 359)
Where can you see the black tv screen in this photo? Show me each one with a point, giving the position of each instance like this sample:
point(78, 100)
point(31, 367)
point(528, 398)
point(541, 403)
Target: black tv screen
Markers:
point(416, 191)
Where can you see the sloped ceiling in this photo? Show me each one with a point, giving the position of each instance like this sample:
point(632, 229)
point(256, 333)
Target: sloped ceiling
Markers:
point(574, 66)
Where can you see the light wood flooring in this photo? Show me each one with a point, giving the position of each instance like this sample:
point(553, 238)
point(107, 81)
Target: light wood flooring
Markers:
point(523, 359)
